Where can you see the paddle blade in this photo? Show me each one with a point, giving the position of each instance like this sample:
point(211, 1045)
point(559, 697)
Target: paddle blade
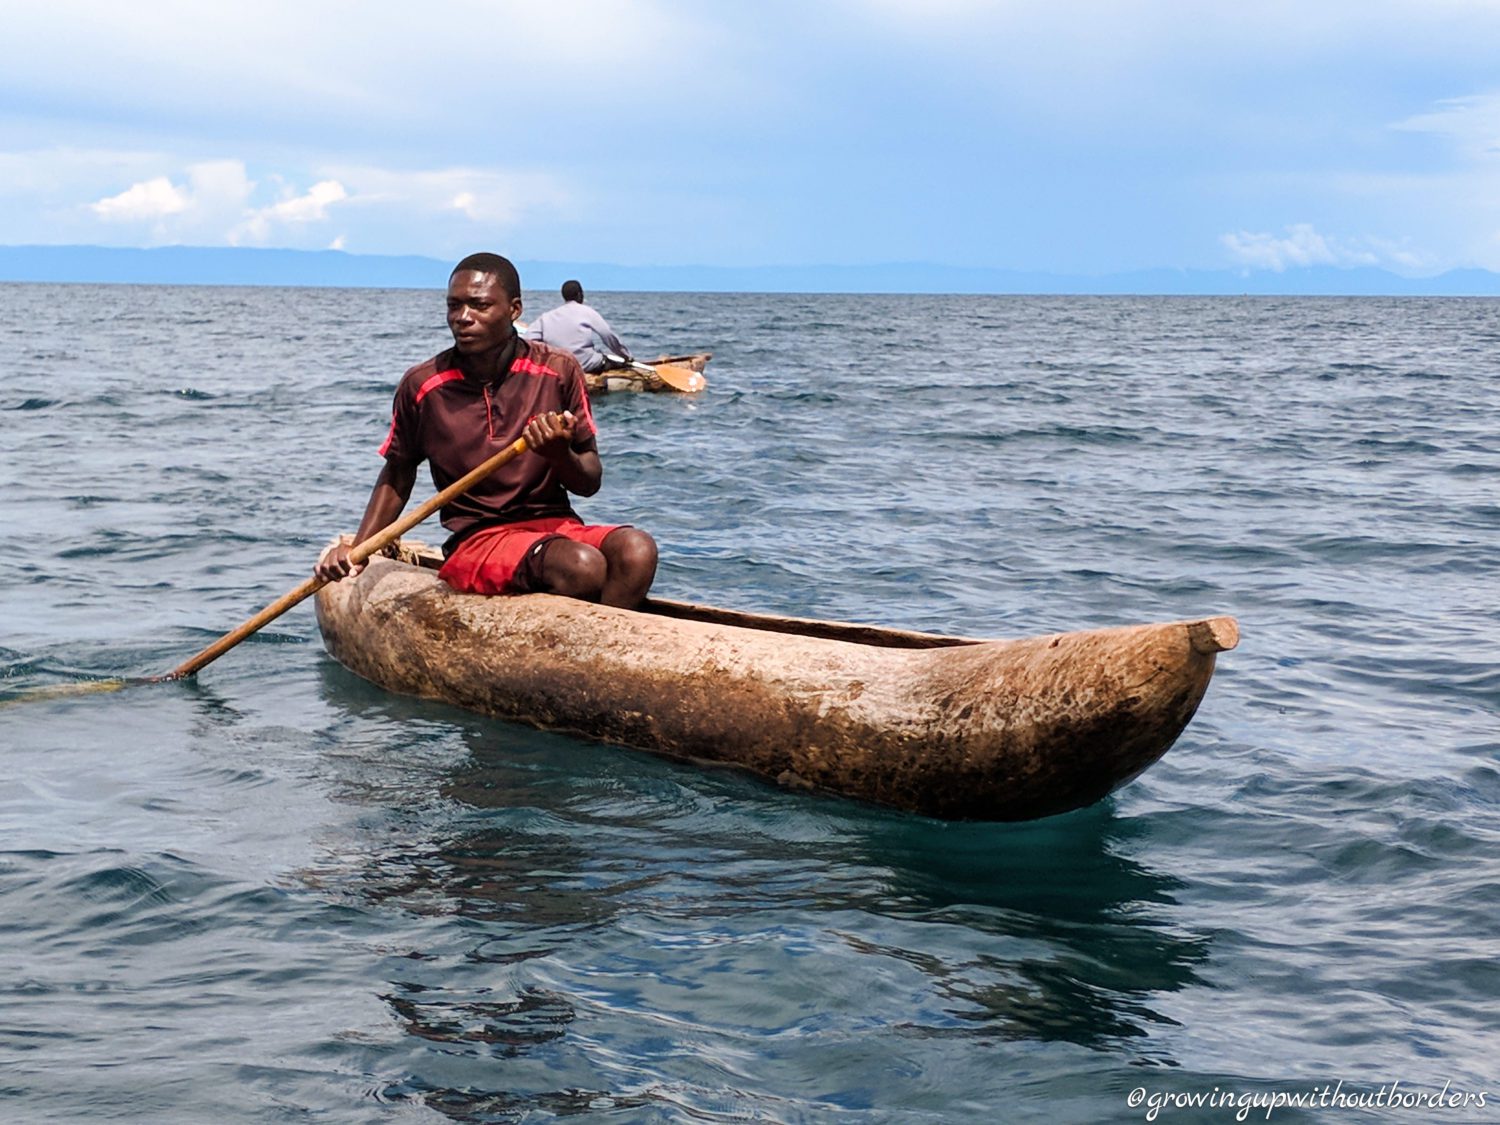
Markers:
point(63, 691)
point(682, 379)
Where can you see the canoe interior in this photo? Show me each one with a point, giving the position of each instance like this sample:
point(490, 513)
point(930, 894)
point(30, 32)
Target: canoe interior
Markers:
point(874, 635)
point(420, 554)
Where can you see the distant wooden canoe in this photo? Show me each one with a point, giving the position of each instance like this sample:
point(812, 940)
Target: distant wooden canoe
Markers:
point(947, 727)
point(625, 379)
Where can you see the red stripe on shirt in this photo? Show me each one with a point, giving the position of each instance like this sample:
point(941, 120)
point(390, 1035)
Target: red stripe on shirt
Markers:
point(390, 435)
point(530, 367)
point(435, 381)
point(588, 413)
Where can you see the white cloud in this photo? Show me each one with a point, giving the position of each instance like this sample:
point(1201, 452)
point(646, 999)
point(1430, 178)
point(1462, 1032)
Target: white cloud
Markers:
point(220, 186)
point(293, 210)
point(215, 203)
point(482, 196)
point(150, 199)
point(116, 197)
point(310, 207)
point(212, 189)
point(1302, 245)
point(1472, 123)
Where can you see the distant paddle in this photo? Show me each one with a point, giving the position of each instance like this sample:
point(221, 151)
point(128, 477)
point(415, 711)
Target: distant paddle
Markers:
point(683, 379)
point(361, 552)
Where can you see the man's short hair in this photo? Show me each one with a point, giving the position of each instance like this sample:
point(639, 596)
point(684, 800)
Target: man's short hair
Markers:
point(497, 267)
point(572, 291)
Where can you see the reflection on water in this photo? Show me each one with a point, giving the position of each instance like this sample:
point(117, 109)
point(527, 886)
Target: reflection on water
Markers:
point(1079, 930)
point(583, 886)
point(501, 1028)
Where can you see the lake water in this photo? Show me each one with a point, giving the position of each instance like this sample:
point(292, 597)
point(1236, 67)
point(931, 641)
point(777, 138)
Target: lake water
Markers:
point(278, 893)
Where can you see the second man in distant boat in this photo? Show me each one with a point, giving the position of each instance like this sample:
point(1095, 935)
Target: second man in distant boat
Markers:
point(576, 327)
point(515, 531)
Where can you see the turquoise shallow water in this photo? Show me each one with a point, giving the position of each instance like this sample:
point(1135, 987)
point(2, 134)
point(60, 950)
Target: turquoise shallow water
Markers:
point(279, 893)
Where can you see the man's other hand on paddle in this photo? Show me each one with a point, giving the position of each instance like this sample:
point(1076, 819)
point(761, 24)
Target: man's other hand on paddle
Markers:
point(551, 435)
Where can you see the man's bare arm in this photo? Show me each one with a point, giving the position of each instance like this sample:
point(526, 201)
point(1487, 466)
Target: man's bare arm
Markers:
point(389, 496)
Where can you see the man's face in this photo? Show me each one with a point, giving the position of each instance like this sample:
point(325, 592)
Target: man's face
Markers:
point(480, 312)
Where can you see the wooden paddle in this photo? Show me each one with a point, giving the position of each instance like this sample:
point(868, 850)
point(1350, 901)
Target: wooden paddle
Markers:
point(683, 379)
point(362, 551)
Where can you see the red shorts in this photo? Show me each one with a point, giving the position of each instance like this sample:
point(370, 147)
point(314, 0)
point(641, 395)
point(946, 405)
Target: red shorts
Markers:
point(494, 561)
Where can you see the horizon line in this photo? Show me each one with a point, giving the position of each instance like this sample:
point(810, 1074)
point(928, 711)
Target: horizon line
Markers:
point(179, 264)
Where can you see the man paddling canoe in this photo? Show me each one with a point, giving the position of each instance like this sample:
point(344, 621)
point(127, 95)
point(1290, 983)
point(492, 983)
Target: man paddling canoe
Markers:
point(515, 531)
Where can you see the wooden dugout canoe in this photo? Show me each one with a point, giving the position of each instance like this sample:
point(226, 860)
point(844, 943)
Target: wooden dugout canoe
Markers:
point(948, 727)
point(627, 379)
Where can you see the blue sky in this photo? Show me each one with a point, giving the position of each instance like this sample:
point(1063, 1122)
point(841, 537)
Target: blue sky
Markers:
point(1064, 137)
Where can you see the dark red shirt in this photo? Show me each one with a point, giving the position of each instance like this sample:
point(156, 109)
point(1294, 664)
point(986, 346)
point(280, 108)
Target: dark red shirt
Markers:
point(454, 422)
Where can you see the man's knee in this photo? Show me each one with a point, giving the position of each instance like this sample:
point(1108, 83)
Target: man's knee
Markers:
point(630, 550)
point(573, 569)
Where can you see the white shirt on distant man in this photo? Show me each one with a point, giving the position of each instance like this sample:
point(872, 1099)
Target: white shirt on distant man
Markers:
point(580, 329)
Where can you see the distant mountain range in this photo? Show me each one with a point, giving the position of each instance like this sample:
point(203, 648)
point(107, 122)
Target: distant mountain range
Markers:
point(203, 265)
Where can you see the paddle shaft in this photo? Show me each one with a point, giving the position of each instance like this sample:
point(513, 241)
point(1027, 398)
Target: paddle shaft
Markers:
point(361, 551)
